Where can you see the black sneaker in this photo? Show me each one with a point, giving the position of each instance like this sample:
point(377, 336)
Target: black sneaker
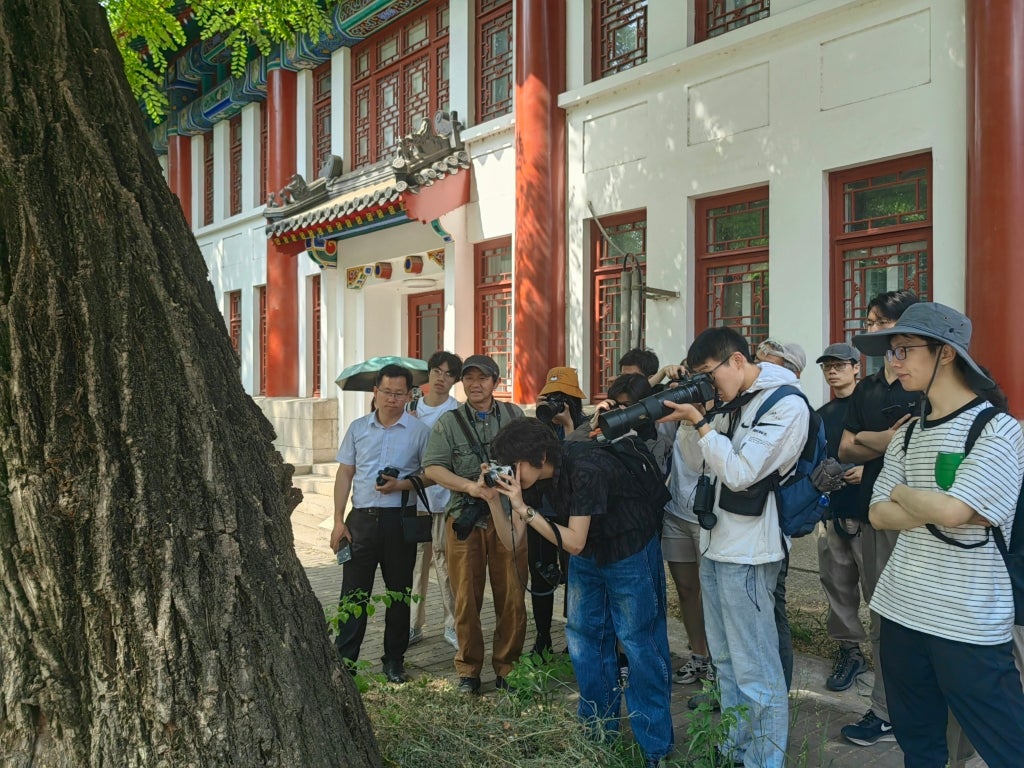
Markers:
point(394, 671)
point(849, 663)
point(869, 730)
point(469, 685)
point(705, 697)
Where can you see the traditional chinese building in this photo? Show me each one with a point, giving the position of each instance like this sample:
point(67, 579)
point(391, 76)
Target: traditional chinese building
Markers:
point(553, 181)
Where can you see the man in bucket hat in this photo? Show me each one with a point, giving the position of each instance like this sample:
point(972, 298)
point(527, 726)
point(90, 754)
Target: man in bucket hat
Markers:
point(945, 597)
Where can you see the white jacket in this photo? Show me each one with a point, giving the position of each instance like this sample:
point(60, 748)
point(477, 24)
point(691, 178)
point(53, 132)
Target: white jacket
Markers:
point(751, 455)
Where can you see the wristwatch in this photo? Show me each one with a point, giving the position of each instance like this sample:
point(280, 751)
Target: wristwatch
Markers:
point(530, 514)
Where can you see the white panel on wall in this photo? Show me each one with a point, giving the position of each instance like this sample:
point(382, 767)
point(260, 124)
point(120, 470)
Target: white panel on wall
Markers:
point(615, 138)
point(728, 105)
point(885, 59)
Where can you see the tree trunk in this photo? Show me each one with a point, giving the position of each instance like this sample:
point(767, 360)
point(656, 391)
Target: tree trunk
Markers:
point(152, 609)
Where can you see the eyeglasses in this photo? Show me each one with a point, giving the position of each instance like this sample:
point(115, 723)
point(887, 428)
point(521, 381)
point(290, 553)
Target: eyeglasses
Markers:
point(392, 395)
point(711, 373)
point(873, 323)
point(826, 367)
point(900, 353)
point(443, 373)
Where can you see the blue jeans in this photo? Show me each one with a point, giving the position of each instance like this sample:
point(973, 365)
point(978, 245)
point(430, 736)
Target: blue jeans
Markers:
point(739, 617)
point(624, 600)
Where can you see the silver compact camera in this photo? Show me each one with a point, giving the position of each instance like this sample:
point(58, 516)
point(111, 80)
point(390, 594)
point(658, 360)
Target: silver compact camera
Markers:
point(494, 470)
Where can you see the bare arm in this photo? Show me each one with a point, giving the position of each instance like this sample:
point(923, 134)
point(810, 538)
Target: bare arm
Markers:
point(342, 489)
point(852, 451)
point(914, 507)
point(447, 479)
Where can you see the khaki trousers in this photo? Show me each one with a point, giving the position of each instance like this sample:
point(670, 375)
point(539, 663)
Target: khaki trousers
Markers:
point(841, 569)
point(433, 553)
point(876, 546)
point(469, 564)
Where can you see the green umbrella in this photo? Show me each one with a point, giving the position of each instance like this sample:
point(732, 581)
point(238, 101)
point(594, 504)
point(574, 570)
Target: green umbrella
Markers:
point(362, 376)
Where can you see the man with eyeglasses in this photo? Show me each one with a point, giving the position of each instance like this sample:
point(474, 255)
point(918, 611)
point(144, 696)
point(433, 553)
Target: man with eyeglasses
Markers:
point(445, 369)
point(741, 542)
point(378, 451)
point(840, 560)
point(877, 408)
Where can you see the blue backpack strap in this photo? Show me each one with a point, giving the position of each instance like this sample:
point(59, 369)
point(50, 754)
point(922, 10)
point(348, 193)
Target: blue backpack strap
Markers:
point(774, 397)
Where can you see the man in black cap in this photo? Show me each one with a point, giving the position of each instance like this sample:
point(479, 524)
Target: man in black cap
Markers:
point(459, 443)
point(945, 596)
point(840, 560)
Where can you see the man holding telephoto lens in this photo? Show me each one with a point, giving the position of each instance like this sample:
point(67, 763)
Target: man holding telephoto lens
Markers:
point(742, 545)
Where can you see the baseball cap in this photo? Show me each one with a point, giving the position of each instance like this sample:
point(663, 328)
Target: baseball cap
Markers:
point(483, 363)
point(563, 380)
point(841, 351)
point(932, 321)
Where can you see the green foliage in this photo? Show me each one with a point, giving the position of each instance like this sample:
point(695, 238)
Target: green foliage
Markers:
point(537, 678)
point(705, 734)
point(357, 603)
point(243, 23)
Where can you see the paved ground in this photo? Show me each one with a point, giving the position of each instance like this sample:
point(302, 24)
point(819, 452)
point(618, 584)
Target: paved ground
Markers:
point(816, 715)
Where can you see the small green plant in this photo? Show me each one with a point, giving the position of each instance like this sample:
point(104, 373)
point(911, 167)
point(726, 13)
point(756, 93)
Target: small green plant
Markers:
point(536, 677)
point(705, 735)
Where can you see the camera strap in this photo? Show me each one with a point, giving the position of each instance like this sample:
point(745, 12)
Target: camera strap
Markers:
point(474, 441)
point(417, 484)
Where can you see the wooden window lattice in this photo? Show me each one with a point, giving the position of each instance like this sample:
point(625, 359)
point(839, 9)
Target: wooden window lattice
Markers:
point(494, 308)
point(629, 233)
point(262, 192)
point(494, 58)
point(321, 115)
point(620, 36)
point(731, 247)
point(208, 178)
point(398, 78)
point(426, 324)
point(235, 129)
point(315, 322)
point(716, 17)
point(261, 324)
point(235, 320)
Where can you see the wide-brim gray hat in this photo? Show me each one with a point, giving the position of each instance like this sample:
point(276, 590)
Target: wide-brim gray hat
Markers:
point(931, 321)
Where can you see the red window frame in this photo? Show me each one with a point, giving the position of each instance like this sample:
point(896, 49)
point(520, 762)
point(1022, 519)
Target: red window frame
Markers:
point(716, 17)
point(606, 287)
point(262, 192)
point(895, 246)
point(421, 307)
point(723, 263)
point(235, 320)
point(235, 163)
point(399, 77)
point(208, 178)
point(493, 64)
point(261, 325)
point(493, 293)
point(611, 18)
point(321, 115)
point(315, 320)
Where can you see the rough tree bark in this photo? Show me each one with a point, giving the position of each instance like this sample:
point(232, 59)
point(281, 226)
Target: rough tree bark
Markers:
point(152, 609)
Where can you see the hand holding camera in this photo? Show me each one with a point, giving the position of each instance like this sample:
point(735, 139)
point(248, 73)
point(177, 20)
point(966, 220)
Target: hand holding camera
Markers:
point(386, 478)
point(663, 406)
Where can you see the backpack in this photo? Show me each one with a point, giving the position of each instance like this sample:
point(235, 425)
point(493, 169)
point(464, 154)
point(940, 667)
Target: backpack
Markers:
point(633, 453)
point(1013, 555)
point(801, 505)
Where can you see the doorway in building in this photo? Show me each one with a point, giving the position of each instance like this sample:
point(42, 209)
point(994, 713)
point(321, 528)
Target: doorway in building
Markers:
point(426, 324)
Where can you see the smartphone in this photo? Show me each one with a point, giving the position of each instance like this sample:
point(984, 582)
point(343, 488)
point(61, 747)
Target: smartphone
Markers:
point(895, 412)
point(344, 552)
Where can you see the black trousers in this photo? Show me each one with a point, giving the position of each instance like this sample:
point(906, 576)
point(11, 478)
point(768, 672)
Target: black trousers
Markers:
point(377, 540)
point(925, 674)
point(782, 624)
point(542, 556)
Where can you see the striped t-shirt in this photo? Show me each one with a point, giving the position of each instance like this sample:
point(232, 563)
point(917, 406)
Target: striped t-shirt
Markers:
point(928, 585)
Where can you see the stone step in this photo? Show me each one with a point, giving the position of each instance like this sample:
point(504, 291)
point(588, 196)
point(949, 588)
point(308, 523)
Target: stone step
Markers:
point(329, 468)
point(313, 484)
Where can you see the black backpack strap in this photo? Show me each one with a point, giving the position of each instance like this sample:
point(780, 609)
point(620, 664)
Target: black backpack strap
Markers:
point(980, 422)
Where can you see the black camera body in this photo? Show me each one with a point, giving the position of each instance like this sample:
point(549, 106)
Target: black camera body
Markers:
point(698, 388)
point(704, 503)
point(384, 474)
point(494, 470)
point(553, 405)
point(471, 512)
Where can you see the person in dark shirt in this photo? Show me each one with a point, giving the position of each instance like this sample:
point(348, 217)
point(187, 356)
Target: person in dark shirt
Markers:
point(877, 408)
point(840, 561)
point(616, 582)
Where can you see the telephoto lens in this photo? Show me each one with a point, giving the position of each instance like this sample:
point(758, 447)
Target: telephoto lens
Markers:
point(693, 389)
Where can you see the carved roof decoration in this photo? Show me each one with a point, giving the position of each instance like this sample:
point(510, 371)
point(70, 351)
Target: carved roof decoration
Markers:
point(335, 204)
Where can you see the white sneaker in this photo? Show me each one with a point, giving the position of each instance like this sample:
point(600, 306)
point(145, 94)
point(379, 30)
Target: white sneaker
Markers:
point(696, 669)
point(451, 638)
point(415, 635)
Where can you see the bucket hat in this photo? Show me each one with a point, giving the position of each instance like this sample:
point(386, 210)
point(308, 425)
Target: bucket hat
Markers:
point(931, 321)
point(563, 380)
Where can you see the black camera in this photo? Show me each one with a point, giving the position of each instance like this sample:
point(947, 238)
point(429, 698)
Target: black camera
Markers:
point(698, 388)
point(471, 512)
point(384, 474)
point(704, 502)
point(494, 470)
point(553, 405)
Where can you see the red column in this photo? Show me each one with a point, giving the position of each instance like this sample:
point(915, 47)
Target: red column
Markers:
point(539, 242)
point(179, 171)
point(995, 187)
point(282, 275)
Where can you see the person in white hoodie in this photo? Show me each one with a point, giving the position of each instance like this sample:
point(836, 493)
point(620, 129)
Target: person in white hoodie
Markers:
point(742, 545)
